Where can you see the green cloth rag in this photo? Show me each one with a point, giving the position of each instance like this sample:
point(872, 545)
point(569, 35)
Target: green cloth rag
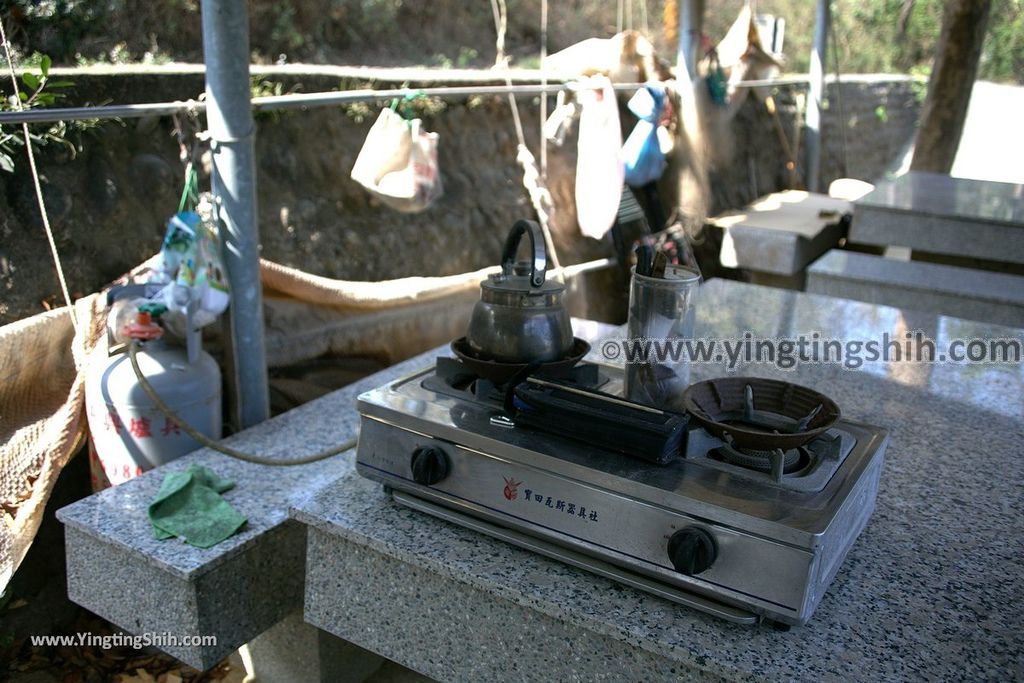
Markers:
point(189, 506)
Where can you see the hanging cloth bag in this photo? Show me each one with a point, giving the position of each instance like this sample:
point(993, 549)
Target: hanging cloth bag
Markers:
point(599, 171)
point(642, 157)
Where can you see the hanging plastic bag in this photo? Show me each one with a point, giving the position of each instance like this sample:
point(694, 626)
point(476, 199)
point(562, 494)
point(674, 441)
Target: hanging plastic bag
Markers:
point(386, 149)
point(716, 82)
point(416, 185)
point(642, 157)
point(599, 170)
point(398, 163)
point(190, 265)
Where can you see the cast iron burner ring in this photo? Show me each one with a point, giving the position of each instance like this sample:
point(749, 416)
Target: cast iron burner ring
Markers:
point(760, 415)
point(793, 460)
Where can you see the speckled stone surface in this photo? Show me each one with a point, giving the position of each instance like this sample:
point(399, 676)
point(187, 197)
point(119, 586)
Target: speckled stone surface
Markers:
point(782, 232)
point(939, 288)
point(240, 587)
point(943, 195)
point(419, 610)
point(930, 591)
point(939, 214)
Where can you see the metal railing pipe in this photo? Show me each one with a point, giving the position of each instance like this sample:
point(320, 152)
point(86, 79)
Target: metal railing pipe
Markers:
point(318, 99)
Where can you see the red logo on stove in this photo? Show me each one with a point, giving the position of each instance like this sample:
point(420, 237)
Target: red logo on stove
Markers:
point(511, 491)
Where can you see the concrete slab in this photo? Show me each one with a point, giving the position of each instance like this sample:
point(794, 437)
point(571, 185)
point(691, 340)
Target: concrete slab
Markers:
point(248, 583)
point(781, 233)
point(452, 603)
point(465, 607)
point(915, 285)
point(940, 214)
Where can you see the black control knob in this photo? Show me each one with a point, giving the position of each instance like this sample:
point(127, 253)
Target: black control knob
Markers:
point(429, 465)
point(691, 550)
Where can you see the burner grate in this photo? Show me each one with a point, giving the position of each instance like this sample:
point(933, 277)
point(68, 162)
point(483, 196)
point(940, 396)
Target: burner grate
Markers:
point(793, 460)
point(804, 468)
point(453, 377)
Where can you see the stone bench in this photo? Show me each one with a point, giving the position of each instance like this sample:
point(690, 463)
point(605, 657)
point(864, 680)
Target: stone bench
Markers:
point(777, 236)
point(918, 285)
point(939, 214)
point(241, 587)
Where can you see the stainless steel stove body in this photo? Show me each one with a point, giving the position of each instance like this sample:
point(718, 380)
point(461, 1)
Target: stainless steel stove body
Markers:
point(775, 546)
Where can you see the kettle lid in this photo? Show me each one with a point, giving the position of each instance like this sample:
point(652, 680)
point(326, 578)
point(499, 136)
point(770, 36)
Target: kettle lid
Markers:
point(520, 282)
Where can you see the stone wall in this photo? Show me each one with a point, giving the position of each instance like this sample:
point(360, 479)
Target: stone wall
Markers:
point(109, 202)
point(877, 113)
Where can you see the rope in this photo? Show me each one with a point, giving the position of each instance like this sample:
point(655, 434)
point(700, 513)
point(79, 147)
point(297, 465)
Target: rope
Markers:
point(500, 25)
point(38, 186)
point(214, 445)
point(787, 149)
point(543, 83)
point(532, 182)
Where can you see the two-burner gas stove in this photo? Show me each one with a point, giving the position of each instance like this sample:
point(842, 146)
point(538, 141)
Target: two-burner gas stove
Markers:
point(743, 534)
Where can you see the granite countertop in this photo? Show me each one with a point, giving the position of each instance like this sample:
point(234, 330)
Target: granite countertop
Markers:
point(931, 589)
point(942, 195)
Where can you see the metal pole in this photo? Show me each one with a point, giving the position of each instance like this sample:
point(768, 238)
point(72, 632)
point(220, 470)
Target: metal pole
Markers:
point(230, 123)
point(691, 19)
point(815, 97)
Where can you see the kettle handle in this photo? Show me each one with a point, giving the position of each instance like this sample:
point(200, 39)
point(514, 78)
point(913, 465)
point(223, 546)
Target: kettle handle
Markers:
point(539, 264)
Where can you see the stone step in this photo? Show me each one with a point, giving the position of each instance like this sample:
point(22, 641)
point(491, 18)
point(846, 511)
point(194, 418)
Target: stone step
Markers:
point(937, 288)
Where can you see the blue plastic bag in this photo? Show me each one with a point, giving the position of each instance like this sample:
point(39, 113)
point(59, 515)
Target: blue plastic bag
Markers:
point(641, 153)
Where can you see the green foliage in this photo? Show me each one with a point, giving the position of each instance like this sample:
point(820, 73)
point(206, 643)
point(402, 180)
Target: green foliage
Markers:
point(262, 87)
point(358, 111)
point(466, 57)
point(285, 32)
point(35, 91)
point(919, 86)
point(1002, 57)
point(885, 36)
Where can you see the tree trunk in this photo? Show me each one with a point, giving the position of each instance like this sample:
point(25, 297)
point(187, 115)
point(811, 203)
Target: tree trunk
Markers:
point(949, 89)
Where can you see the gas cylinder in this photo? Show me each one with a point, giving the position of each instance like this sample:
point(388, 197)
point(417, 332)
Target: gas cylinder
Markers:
point(128, 433)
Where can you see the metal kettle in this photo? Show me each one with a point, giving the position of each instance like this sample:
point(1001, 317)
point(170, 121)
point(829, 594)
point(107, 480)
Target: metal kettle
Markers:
point(520, 317)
